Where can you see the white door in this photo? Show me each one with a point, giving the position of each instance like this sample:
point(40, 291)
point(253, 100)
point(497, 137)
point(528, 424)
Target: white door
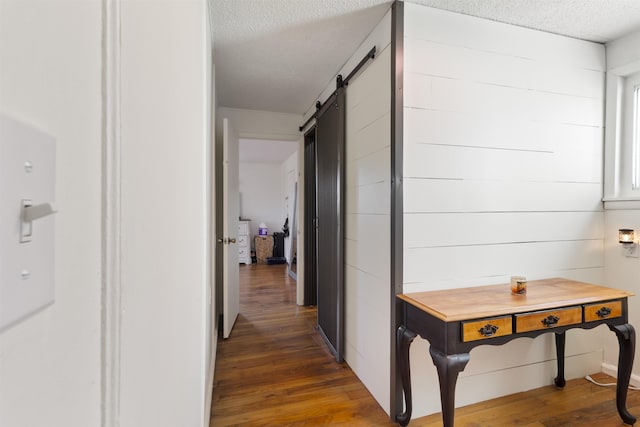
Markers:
point(230, 281)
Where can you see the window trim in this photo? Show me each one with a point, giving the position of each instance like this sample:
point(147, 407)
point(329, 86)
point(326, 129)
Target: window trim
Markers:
point(622, 156)
point(635, 166)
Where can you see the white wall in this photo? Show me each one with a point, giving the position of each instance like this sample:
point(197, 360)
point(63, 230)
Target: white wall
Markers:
point(260, 189)
point(368, 221)
point(289, 177)
point(502, 175)
point(50, 56)
point(367, 230)
point(621, 272)
point(254, 124)
point(165, 165)
point(211, 314)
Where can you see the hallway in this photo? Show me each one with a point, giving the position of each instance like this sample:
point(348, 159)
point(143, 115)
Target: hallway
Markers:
point(275, 369)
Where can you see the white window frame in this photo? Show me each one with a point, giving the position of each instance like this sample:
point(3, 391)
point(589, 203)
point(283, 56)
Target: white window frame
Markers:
point(635, 135)
point(622, 138)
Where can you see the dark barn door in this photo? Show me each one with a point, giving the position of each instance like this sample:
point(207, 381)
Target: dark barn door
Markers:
point(310, 258)
point(330, 135)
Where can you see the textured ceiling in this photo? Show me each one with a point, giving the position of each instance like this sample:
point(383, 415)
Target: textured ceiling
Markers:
point(278, 55)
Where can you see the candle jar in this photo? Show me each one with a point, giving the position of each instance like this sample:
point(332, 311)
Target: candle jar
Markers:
point(518, 285)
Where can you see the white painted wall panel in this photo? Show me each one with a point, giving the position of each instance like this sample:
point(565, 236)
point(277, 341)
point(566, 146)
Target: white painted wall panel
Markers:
point(361, 225)
point(434, 195)
point(454, 262)
point(369, 199)
point(367, 231)
point(502, 176)
point(491, 36)
point(591, 275)
point(459, 228)
point(367, 296)
point(621, 272)
point(165, 226)
point(50, 76)
point(369, 139)
point(446, 94)
point(371, 169)
point(457, 62)
point(483, 130)
point(479, 163)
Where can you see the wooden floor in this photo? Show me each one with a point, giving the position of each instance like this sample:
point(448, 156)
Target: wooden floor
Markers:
point(275, 370)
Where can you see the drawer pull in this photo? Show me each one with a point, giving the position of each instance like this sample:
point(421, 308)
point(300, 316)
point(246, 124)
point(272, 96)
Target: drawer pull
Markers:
point(603, 312)
point(550, 321)
point(488, 330)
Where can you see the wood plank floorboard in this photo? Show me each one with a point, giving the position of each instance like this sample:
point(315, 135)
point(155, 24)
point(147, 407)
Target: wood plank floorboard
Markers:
point(275, 370)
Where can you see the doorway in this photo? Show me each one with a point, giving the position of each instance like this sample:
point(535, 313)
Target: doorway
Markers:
point(268, 172)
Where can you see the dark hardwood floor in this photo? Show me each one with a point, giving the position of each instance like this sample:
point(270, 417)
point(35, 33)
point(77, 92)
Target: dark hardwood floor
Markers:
point(275, 370)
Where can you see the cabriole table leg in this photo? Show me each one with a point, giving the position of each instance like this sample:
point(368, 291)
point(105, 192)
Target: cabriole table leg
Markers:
point(627, 340)
point(404, 338)
point(560, 340)
point(448, 366)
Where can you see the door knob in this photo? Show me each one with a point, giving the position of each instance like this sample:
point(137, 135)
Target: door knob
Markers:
point(232, 240)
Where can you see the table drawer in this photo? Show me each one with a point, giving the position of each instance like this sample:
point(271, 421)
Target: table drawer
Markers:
point(602, 310)
point(486, 328)
point(242, 240)
point(548, 319)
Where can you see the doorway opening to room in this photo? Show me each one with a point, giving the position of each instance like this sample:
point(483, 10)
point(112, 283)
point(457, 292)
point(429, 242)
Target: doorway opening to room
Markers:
point(268, 192)
point(256, 193)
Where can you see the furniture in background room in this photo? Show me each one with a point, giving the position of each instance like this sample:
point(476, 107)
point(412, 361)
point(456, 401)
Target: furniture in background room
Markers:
point(244, 251)
point(264, 248)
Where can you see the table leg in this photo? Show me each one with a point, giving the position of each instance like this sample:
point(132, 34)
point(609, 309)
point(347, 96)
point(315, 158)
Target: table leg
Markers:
point(559, 380)
point(404, 338)
point(627, 341)
point(448, 366)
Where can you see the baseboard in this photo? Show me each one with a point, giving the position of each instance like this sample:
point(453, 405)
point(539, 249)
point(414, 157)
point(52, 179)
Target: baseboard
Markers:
point(612, 370)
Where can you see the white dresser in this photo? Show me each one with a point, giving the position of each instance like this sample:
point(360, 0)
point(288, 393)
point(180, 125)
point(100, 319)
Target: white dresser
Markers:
point(244, 249)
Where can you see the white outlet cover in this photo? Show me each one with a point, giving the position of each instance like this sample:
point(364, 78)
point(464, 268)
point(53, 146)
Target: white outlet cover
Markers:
point(27, 171)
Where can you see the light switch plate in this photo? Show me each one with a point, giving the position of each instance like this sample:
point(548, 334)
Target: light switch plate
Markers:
point(27, 172)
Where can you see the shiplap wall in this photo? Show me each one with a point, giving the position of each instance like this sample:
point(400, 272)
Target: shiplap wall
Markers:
point(502, 175)
point(623, 57)
point(367, 231)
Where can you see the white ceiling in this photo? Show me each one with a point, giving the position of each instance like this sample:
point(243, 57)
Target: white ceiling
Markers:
point(278, 55)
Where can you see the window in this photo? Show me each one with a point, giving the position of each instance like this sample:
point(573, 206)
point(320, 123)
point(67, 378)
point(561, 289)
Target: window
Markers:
point(622, 137)
point(636, 140)
point(622, 124)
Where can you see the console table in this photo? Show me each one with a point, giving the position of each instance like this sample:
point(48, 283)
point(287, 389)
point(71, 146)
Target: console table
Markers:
point(454, 321)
